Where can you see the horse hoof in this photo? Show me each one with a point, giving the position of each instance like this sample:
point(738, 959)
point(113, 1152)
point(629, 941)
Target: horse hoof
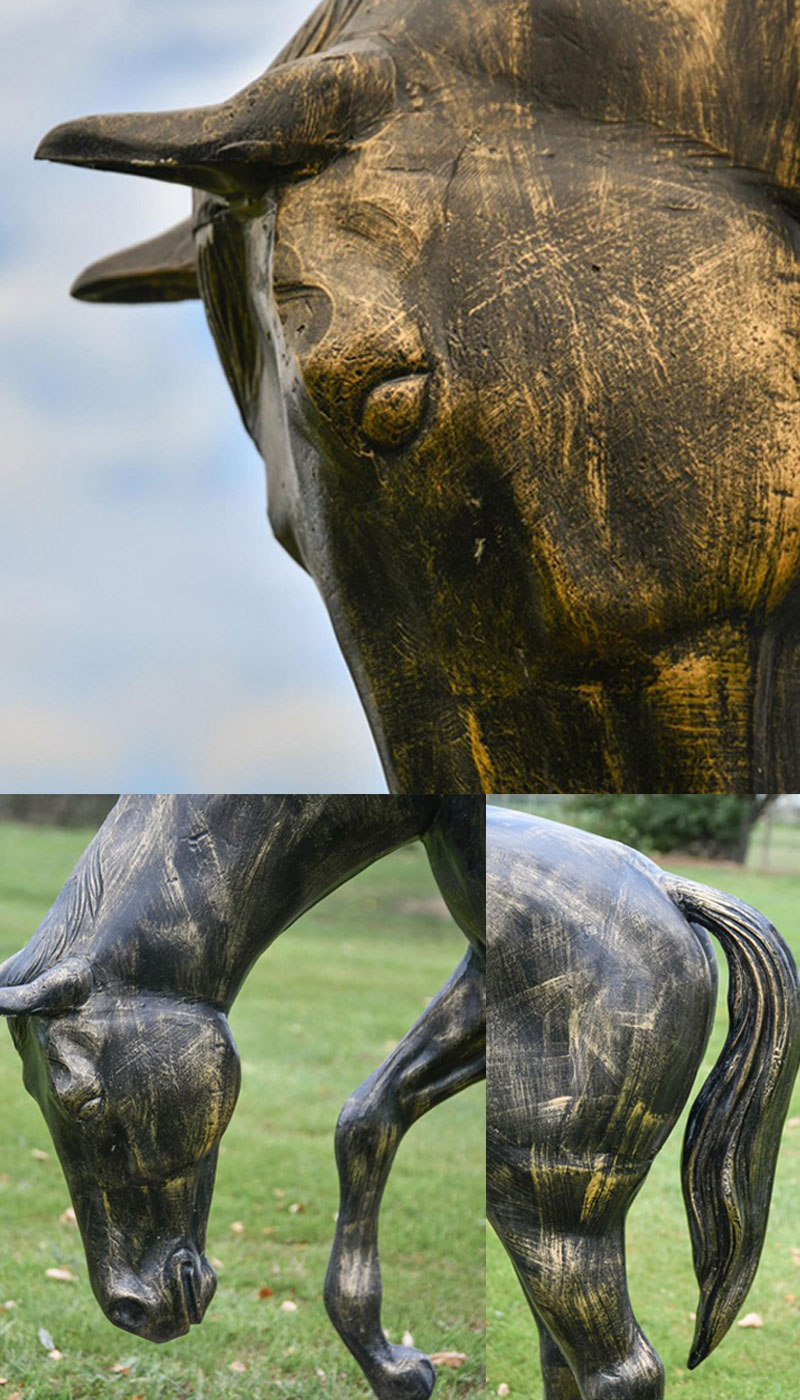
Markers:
point(409, 1375)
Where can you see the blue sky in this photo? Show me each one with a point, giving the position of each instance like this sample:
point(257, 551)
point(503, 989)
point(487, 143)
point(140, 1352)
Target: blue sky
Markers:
point(153, 634)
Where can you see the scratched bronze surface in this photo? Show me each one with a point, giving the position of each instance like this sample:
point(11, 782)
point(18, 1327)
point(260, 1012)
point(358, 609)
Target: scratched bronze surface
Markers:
point(507, 293)
point(118, 1008)
point(601, 985)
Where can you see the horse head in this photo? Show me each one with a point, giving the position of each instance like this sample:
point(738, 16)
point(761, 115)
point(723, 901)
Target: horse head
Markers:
point(137, 1089)
point(502, 291)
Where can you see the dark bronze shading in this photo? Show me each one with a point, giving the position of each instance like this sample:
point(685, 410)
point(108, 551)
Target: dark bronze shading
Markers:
point(601, 992)
point(119, 1009)
point(507, 292)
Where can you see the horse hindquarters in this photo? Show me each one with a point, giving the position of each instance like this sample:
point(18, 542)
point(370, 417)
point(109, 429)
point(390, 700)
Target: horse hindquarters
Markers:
point(599, 1009)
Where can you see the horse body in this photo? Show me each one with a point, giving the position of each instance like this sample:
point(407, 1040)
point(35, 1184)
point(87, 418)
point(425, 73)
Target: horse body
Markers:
point(507, 295)
point(119, 1010)
point(601, 995)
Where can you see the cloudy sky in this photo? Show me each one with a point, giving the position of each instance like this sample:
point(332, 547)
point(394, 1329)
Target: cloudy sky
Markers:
point(153, 634)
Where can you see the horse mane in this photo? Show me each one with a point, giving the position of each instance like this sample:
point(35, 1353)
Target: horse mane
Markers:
point(320, 29)
point(84, 891)
point(62, 926)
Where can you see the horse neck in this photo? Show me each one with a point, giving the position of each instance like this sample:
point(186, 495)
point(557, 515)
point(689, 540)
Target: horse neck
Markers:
point(180, 895)
point(307, 847)
point(456, 846)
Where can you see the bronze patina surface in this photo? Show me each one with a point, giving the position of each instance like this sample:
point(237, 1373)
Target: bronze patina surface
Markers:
point(601, 984)
point(507, 292)
point(119, 1010)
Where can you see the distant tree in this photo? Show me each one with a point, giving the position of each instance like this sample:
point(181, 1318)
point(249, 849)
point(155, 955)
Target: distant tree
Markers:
point(552, 805)
point(710, 825)
point(57, 809)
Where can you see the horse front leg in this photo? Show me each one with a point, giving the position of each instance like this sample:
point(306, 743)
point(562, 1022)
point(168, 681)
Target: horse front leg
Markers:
point(444, 1052)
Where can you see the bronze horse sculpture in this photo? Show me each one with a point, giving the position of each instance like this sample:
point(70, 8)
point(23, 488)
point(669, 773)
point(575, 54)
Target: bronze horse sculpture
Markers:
point(507, 292)
point(601, 990)
point(118, 1008)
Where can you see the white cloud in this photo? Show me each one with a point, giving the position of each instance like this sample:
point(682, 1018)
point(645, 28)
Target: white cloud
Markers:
point(198, 742)
point(312, 737)
point(150, 624)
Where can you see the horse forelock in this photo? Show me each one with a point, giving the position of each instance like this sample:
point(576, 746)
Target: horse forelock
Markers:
point(60, 929)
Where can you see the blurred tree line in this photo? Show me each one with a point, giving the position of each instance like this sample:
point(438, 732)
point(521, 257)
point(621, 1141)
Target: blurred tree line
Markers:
point(57, 809)
point(715, 827)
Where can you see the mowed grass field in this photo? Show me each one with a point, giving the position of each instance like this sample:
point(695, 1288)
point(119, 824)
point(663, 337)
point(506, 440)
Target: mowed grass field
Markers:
point(319, 1011)
point(753, 1363)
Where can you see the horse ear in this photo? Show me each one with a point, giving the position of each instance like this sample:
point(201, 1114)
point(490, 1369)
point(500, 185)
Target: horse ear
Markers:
point(64, 987)
point(161, 269)
point(293, 116)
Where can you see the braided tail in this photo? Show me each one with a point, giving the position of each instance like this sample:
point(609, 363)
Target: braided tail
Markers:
point(734, 1128)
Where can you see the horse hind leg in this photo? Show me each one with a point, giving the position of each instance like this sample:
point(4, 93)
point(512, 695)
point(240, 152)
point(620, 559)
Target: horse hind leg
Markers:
point(570, 1260)
point(593, 1321)
point(558, 1381)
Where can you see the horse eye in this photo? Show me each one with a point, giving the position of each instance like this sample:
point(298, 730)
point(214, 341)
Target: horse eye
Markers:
point(90, 1107)
point(77, 1095)
point(394, 410)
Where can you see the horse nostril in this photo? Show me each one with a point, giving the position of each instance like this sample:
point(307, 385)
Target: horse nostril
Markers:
point(128, 1314)
point(191, 1292)
point(196, 1282)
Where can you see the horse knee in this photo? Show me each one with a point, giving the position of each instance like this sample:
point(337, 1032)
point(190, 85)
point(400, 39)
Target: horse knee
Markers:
point(354, 1128)
point(364, 1130)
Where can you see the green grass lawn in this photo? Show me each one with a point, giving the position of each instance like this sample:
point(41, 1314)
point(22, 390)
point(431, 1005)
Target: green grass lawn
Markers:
point(774, 846)
point(317, 1014)
point(750, 1364)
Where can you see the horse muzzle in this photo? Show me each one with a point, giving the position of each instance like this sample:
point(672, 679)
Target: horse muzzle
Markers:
point(163, 1308)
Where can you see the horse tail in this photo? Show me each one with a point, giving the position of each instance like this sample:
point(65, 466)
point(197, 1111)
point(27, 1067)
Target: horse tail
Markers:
point(734, 1128)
